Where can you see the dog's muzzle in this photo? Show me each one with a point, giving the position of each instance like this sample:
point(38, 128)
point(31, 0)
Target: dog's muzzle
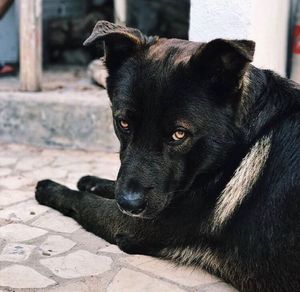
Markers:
point(131, 203)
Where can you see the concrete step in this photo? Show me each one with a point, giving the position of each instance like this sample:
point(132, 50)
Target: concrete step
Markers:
point(63, 119)
point(70, 112)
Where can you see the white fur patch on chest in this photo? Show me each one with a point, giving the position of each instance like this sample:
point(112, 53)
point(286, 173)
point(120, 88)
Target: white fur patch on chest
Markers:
point(244, 178)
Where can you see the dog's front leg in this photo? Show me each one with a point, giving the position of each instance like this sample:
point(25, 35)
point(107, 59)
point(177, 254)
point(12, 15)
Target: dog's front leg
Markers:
point(100, 216)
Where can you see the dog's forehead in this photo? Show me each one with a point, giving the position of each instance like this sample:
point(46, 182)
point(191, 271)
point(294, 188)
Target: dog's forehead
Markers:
point(173, 51)
point(146, 84)
point(151, 73)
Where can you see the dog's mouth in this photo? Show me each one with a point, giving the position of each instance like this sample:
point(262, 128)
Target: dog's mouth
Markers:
point(145, 214)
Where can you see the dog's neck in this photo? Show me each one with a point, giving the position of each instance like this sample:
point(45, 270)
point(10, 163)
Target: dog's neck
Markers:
point(242, 182)
point(264, 103)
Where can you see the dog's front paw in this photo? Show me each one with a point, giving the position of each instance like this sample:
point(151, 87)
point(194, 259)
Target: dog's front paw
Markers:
point(128, 244)
point(88, 183)
point(45, 189)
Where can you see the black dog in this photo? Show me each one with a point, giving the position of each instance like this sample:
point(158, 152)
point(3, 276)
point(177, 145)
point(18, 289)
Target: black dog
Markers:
point(210, 160)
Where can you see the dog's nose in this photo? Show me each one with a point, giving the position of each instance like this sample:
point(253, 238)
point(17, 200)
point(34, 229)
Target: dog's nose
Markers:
point(132, 202)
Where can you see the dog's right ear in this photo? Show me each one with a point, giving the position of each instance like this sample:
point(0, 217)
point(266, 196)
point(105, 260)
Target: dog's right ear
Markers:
point(223, 62)
point(120, 42)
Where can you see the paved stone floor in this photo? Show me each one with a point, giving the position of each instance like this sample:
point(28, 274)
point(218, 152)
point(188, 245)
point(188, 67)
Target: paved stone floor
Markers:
point(41, 250)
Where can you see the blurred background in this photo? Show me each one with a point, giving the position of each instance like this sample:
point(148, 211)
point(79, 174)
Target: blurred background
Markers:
point(52, 89)
point(67, 23)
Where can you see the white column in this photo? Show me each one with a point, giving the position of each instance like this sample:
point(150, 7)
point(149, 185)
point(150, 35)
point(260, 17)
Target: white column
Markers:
point(30, 44)
point(120, 11)
point(264, 21)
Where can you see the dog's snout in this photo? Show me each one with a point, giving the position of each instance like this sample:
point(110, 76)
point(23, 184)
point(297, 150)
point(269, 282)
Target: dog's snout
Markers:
point(132, 202)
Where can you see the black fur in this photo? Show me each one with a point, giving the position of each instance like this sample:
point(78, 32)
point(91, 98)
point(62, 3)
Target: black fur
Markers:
point(224, 106)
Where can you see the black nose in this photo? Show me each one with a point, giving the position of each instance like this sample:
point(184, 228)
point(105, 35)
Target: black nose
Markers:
point(132, 202)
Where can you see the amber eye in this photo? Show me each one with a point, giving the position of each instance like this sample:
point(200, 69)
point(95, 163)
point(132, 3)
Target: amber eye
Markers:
point(178, 135)
point(124, 124)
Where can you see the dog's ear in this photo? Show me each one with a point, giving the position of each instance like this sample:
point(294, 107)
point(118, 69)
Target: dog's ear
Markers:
point(224, 62)
point(119, 42)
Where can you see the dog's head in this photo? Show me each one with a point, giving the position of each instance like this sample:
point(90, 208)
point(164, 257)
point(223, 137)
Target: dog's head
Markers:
point(174, 106)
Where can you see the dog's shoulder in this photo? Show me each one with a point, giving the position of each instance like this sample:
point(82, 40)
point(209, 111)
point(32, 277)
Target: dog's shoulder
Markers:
point(284, 160)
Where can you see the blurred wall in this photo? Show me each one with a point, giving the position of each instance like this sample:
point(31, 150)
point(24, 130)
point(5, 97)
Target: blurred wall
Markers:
point(9, 37)
point(165, 18)
point(63, 8)
point(264, 21)
point(9, 51)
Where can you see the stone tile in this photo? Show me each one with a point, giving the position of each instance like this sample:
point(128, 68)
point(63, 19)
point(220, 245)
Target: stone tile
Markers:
point(89, 241)
point(73, 178)
point(23, 212)
point(109, 163)
point(16, 232)
point(109, 158)
point(4, 222)
point(64, 160)
point(83, 167)
point(18, 148)
point(32, 163)
point(5, 171)
point(55, 245)
point(18, 276)
point(183, 275)
point(47, 173)
point(112, 249)
point(57, 222)
point(108, 172)
point(78, 264)
point(71, 184)
point(5, 161)
point(219, 287)
point(16, 252)
point(91, 284)
point(16, 182)
point(130, 281)
point(9, 197)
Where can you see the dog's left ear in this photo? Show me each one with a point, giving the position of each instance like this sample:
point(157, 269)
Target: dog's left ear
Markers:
point(120, 42)
point(224, 62)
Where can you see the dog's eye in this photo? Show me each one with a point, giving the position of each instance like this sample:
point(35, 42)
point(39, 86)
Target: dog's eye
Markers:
point(178, 135)
point(124, 125)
